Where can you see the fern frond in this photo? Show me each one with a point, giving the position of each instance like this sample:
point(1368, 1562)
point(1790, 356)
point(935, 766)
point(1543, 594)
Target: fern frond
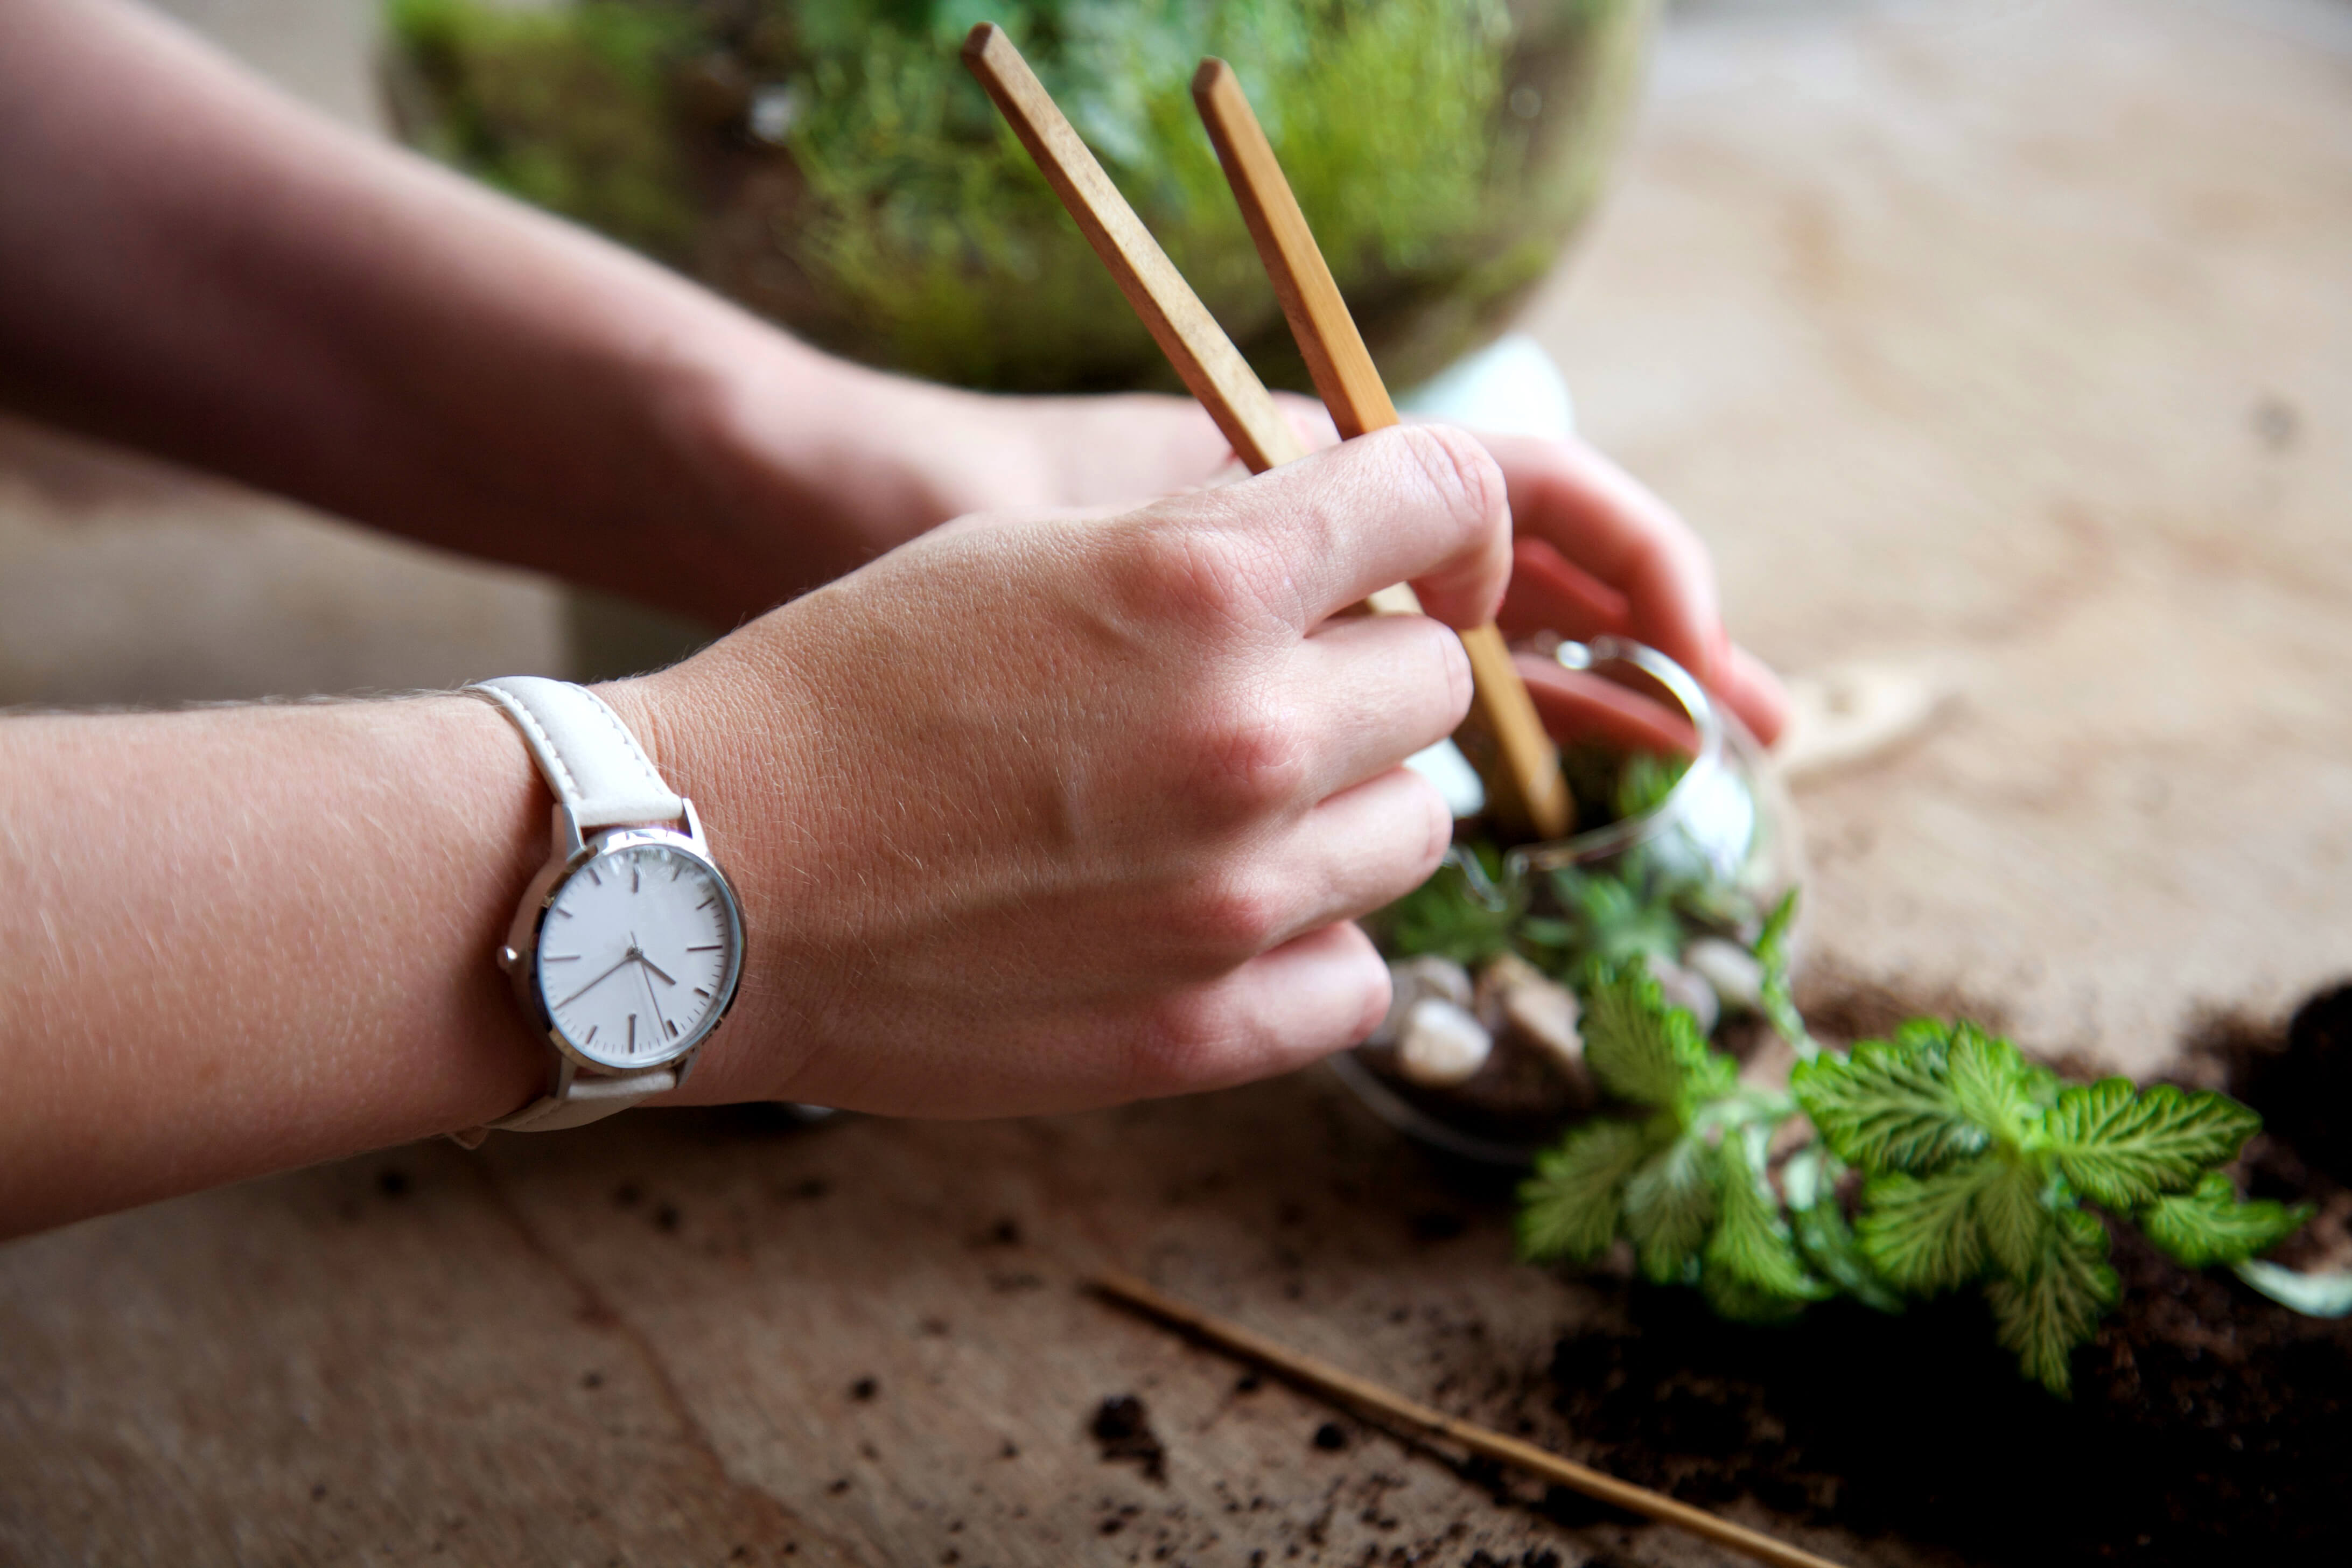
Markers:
point(2045, 1315)
point(1776, 991)
point(1889, 1105)
point(2125, 1148)
point(2014, 1216)
point(1670, 1202)
point(1992, 1083)
point(2211, 1224)
point(1644, 1050)
point(1751, 1241)
point(1921, 1232)
point(1571, 1207)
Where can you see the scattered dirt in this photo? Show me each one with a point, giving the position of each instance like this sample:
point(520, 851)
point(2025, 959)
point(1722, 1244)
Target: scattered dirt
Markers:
point(2208, 1424)
point(1122, 1429)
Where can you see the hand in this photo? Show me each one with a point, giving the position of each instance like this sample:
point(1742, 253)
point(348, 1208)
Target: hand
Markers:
point(1597, 552)
point(1041, 812)
point(905, 456)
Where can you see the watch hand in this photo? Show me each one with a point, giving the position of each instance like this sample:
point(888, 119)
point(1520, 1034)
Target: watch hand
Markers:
point(642, 967)
point(600, 979)
point(639, 951)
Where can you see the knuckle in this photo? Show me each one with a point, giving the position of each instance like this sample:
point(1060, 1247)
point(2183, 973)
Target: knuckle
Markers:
point(1215, 579)
point(1182, 1039)
point(1252, 759)
point(1462, 472)
point(1230, 920)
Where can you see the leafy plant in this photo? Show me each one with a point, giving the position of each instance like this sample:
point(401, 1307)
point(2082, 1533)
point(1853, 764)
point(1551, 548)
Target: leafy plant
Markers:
point(1941, 1159)
point(831, 162)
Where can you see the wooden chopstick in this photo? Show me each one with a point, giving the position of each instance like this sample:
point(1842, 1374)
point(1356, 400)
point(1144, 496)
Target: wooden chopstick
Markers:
point(1527, 785)
point(1212, 369)
point(1347, 1388)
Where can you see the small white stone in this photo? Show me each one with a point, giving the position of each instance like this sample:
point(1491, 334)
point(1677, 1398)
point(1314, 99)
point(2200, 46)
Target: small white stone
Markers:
point(1439, 1045)
point(1409, 980)
point(1731, 968)
point(1545, 1015)
point(1686, 990)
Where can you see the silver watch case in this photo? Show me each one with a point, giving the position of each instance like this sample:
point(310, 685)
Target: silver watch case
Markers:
point(574, 853)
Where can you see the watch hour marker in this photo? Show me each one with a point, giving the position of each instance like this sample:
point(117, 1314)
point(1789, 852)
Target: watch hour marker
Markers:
point(671, 1025)
point(634, 879)
point(564, 912)
point(708, 947)
point(595, 875)
point(559, 958)
point(633, 1034)
point(699, 991)
point(707, 902)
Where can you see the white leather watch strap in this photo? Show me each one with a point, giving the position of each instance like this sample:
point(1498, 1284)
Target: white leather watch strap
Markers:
point(591, 760)
point(605, 780)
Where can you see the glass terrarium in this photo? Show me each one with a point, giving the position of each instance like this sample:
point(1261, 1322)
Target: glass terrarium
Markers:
point(1684, 861)
point(831, 164)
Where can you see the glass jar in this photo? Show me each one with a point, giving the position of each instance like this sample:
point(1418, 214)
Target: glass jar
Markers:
point(1688, 868)
point(831, 164)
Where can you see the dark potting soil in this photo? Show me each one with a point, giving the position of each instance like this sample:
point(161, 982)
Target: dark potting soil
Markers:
point(2207, 1425)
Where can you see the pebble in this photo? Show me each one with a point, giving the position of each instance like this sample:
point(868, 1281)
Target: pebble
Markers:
point(1683, 988)
point(1731, 969)
point(1518, 998)
point(1439, 1045)
point(1409, 980)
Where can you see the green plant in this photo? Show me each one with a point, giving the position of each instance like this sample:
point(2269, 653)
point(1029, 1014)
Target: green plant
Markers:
point(1939, 1158)
point(831, 162)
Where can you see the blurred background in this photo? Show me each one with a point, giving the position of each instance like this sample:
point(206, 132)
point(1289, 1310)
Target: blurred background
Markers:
point(2004, 345)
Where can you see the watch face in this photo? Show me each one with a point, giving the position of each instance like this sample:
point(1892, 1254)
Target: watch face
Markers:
point(638, 953)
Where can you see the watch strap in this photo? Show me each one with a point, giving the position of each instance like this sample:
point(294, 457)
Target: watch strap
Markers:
point(587, 755)
point(604, 779)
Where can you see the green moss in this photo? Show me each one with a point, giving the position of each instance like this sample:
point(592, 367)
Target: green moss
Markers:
point(1441, 150)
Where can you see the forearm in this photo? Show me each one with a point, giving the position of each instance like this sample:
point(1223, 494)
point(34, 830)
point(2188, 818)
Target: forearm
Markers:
point(242, 940)
point(225, 277)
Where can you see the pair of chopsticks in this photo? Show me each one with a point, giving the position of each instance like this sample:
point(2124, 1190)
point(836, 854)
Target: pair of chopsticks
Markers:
point(1523, 783)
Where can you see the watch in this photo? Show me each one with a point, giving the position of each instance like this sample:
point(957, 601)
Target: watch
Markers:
point(629, 943)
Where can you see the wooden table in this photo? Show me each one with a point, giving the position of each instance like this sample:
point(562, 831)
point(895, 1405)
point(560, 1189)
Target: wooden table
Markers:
point(2012, 341)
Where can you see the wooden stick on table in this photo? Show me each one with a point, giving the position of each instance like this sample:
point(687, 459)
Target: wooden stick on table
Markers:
point(1533, 791)
point(1212, 369)
point(1346, 1387)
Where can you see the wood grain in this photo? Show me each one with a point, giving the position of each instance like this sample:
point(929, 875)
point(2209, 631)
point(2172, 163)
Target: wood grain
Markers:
point(1521, 766)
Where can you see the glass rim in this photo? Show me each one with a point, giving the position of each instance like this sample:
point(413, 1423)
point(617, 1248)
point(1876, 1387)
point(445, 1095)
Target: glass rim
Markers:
point(1626, 832)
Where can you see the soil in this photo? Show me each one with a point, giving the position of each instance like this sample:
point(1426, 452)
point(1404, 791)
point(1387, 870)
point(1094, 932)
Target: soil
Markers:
point(2208, 1424)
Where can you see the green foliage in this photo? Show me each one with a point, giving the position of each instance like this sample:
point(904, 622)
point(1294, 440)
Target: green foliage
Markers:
point(1644, 1051)
point(2043, 1315)
point(2124, 1147)
point(1777, 993)
point(1571, 1208)
point(1973, 1162)
point(1670, 1205)
point(1446, 916)
point(1889, 1106)
point(901, 216)
point(2210, 1225)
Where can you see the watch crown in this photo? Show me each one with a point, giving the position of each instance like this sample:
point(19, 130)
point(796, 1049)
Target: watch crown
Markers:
point(507, 959)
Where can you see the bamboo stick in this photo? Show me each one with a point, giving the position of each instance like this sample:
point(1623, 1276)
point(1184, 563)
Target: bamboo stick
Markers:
point(1362, 1394)
point(1532, 790)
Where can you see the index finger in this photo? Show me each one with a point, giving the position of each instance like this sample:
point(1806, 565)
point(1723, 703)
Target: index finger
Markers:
point(1424, 504)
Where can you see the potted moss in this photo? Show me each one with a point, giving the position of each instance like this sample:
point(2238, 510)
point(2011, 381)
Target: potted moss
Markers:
point(828, 163)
